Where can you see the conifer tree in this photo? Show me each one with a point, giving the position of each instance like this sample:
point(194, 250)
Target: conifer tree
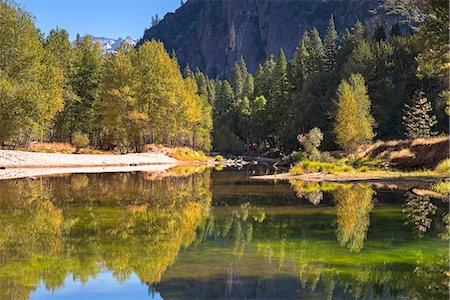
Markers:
point(237, 81)
point(259, 82)
point(331, 46)
point(354, 123)
point(395, 30)
point(249, 86)
point(300, 68)
point(417, 119)
point(316, 52)
point(278, 102)
point(380, 33)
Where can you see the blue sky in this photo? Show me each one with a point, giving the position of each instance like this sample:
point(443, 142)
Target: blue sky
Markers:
point(108, 18)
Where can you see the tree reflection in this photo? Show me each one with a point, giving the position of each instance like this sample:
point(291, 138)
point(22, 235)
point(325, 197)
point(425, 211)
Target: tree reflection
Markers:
point(51, 228)
point(353, 207)
point(419, 211)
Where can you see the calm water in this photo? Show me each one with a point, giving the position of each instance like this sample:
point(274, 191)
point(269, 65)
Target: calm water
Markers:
point(217, 235)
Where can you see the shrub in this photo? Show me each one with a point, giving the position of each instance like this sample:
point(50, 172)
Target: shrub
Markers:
point(299, 156)
point(219, 158)
point(442, 187)
point(307, 166)
point(187, 154)
point(79, 140)
point(311, 143)
point(443, 167)
point(363, 169)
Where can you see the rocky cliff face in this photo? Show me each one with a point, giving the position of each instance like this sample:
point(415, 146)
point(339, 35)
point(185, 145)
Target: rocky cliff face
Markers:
point(213, 34)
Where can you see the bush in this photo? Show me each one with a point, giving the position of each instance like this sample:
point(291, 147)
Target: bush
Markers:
point(299, 156)
point(187, 154)
point(443, 167)
point(442, 187)
point(363, 169)
point(79, 140)
point(219, 158)
point(306, 167)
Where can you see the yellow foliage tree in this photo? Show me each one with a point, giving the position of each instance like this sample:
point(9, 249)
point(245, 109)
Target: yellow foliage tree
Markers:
point(354, 122)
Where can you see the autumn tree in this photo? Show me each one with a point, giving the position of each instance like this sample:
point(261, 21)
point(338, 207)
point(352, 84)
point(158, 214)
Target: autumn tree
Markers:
point(354, 122)
point(30, 80)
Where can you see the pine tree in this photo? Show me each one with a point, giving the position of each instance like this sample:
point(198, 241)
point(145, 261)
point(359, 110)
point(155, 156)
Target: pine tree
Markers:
point(259, 82)
point(300, 68)
point(237, 81)
point(380, 33)
point(278, 103)
point(331, 46)
point(417, 119)
point(249, 86)
point(354, 123)
point(395, 30)
point(316, 52)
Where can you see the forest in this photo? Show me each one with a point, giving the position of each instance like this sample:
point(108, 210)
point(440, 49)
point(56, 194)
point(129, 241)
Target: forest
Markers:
point(388, 83)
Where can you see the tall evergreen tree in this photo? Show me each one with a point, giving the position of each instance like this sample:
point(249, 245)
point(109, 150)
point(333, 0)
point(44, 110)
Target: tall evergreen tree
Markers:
point(237, 81)
point(249, 86)
point(417, 119)
point(395, 30)
point(316, 52)
point(300, 66)
point(331, 46)
point(380, 33)
point(278, 102)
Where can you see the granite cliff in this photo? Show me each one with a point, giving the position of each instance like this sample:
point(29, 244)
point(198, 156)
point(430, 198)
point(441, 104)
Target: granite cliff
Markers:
point(213, 34)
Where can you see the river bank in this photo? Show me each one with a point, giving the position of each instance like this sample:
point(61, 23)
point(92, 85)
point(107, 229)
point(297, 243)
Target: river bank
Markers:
point(21, 159)
point(369, 177)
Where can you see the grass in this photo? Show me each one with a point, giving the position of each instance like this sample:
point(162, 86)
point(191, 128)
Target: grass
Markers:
point(51, 148)
point(65, 148)
point(306, 167)
point(187, 154)
point(444, 167)
point(366, 167)
point(442, 187)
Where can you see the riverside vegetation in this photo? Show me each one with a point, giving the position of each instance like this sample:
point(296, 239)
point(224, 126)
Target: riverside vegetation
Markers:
point(353, 87)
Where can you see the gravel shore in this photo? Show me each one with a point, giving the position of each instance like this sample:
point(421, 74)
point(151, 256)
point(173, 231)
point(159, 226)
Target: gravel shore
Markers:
point(21, 164)
point(22, 159)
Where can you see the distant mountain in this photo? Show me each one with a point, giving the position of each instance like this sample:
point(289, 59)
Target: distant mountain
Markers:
point(213, 34)
point(110, 45)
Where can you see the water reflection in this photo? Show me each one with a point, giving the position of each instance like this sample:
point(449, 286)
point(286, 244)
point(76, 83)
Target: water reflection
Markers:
point(183, 242)
point(126, 224)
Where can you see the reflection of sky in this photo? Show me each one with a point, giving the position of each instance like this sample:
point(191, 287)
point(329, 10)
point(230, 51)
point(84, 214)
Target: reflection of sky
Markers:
point(104, 286)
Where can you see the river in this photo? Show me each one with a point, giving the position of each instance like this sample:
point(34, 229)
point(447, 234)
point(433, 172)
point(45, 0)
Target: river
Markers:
point(215, 234)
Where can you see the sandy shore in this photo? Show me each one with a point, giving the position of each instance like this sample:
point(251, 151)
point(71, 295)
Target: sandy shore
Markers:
point(21, 159)
point(15, 173)
point(20, 164)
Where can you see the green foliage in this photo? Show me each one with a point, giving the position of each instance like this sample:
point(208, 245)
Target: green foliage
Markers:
point(306, 167)
point(443, 167)
point(311, 143)
point(30, 81)
point(354, 123)
point(417, 120)
point(187, 154)
point(442, 187)
point(299, 156)
point(330, 46)
point(80, 140)
point(144, 98)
